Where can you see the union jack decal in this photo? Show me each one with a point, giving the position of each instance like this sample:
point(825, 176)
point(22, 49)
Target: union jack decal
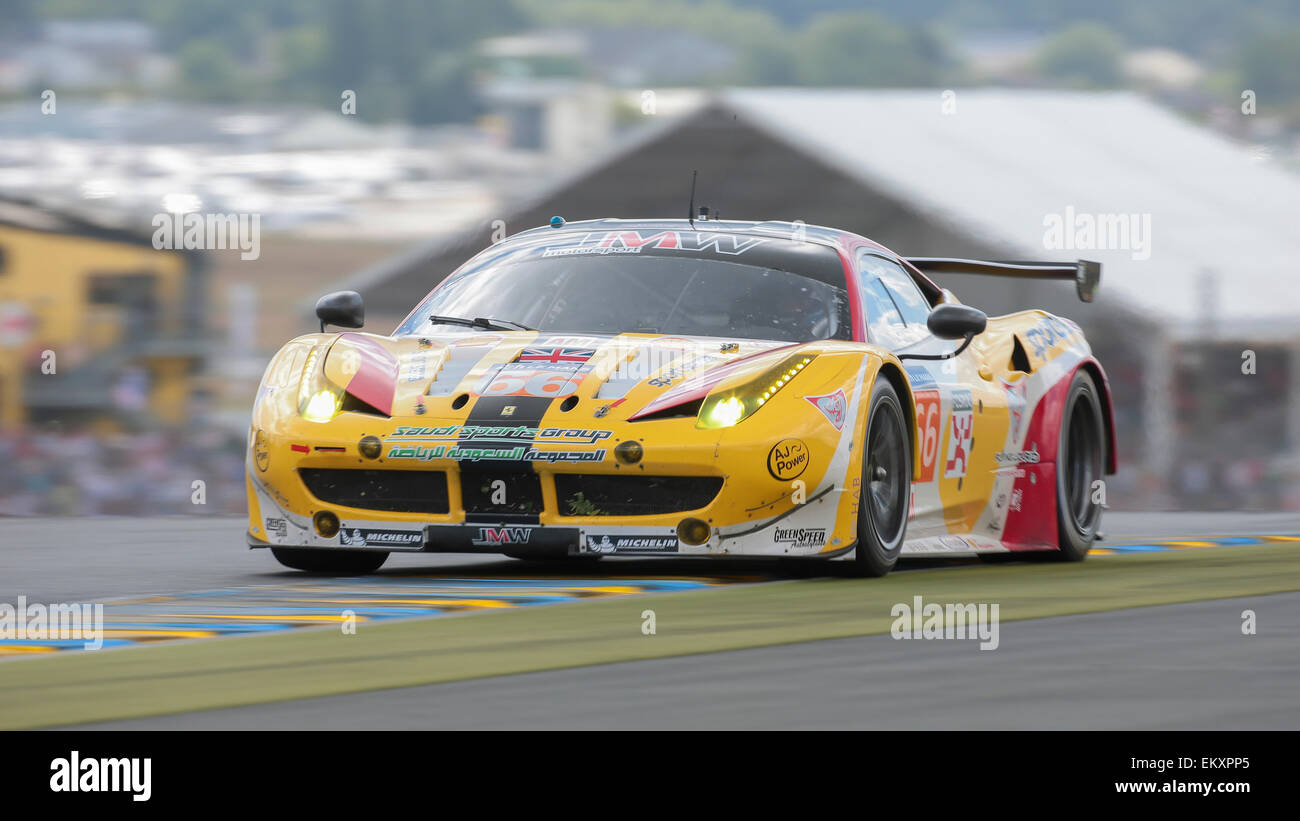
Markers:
point(556, 356)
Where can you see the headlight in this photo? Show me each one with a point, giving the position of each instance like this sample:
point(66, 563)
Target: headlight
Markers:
point(321, 407)
point(318, 398)
point(729, 407)
point(725, 412)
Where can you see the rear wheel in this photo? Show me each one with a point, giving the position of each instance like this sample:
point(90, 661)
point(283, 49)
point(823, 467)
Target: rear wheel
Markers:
point(886, 483)
point(1080, 464)
point(330, 561)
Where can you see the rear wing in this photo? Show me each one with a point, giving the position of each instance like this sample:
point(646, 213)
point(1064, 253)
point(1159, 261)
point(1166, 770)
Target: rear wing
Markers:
point(1085, 273)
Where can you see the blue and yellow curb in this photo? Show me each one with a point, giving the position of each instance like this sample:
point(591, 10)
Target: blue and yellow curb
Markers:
point(320, 602)
point(1158, 545)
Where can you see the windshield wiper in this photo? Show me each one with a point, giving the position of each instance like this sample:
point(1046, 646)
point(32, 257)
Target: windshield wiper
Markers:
point(480, 322)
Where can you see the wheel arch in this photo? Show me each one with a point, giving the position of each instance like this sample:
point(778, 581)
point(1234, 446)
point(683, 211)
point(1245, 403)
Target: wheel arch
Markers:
point(1093, 368)
point(892, 370)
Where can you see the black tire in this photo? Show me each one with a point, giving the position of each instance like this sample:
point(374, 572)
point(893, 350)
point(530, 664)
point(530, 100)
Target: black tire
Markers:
point(886, 483)
point(1080, 461)
point(344, 562)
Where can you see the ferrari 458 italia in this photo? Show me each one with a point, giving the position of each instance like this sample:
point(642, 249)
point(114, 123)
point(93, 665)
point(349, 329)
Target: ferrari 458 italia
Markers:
point(684, 388)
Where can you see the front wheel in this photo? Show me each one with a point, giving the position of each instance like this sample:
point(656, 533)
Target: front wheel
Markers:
point(315, 560)
point(886, 484)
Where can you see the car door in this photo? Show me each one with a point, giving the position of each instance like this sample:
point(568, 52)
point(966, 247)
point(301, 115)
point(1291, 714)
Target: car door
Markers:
point(961, 416)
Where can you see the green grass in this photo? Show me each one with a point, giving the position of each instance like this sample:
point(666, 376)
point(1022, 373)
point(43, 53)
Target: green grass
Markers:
point(180, 677)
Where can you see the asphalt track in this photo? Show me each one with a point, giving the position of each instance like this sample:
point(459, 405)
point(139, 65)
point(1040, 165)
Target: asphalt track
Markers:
point(1176, 666)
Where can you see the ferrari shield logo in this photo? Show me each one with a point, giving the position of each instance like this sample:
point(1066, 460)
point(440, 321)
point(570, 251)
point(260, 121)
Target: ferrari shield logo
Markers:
point(834, 406)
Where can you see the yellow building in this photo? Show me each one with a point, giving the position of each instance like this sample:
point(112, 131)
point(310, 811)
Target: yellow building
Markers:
point(96, 326)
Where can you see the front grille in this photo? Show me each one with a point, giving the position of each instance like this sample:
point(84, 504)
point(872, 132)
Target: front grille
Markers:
point(396, 491)
point(591, 495)
point(518, 494)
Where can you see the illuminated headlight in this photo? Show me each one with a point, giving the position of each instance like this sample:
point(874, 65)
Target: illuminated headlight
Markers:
point(311, 375)
point(729, 407)
point(321, 407)
point(319, 400)
point(725, 412)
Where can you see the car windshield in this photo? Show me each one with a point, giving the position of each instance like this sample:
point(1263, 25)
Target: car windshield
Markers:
point(664, 293)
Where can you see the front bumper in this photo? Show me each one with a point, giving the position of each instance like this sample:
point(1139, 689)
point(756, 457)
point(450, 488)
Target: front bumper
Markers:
point(751, 512)
point(522, 540)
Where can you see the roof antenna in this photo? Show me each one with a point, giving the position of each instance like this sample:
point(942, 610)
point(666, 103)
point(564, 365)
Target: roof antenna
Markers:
point(690, 209)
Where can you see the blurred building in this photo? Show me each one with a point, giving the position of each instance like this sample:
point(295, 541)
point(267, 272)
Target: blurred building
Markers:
point(536, 89)
point(1198, 322)
point(97, 329)
point(85, 55)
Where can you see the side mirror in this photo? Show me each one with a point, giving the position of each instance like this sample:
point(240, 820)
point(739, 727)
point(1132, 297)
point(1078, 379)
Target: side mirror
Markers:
point(956, 321)
point(342, 308)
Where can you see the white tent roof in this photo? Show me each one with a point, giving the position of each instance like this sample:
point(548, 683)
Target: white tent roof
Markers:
point(1004, 160)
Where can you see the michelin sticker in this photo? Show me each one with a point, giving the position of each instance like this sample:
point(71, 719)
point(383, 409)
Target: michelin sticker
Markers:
point(360, 537)
point(632, 544)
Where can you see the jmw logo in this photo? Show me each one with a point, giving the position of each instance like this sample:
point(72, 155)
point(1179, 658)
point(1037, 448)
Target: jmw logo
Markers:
point(681, 240)
point(503, 535)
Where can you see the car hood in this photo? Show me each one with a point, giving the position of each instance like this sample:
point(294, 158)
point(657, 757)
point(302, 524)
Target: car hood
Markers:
point(428, 375)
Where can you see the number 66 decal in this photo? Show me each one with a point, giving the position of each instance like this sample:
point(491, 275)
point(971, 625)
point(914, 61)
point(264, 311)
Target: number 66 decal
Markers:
point(929, 420)
point(541, 383)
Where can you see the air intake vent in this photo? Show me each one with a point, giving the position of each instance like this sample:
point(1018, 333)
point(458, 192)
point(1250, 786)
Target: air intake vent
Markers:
point(1019, 358)
point(395, 491)
point(602, 495)
point(500, 492)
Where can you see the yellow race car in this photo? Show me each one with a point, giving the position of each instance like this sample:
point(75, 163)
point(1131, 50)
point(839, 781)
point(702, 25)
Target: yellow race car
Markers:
point(684, 388)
